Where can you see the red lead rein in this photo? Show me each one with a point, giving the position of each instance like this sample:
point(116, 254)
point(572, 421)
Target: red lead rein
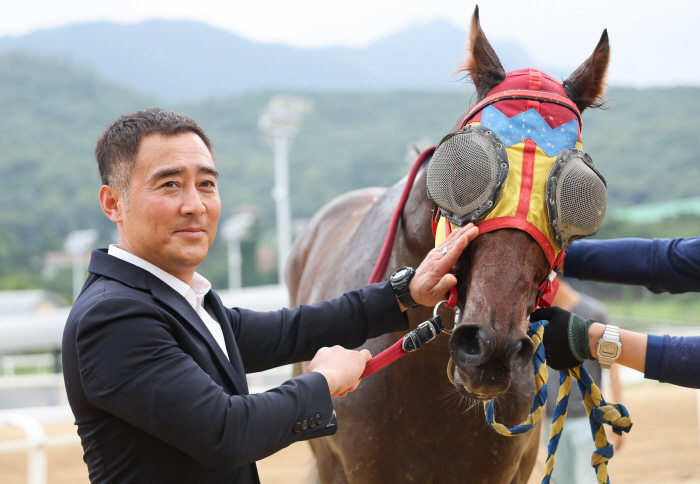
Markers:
point(426, 331)
point(383, 261)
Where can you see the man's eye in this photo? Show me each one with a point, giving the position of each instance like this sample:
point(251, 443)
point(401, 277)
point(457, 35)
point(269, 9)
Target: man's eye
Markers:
point(169, 184)
point(208, 184)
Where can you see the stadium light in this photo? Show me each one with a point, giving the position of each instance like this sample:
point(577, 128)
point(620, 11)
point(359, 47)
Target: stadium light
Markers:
point(280, 122)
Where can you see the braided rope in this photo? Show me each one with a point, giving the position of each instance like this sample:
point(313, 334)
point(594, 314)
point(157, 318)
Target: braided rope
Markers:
point(598, 410)
point(541, 374)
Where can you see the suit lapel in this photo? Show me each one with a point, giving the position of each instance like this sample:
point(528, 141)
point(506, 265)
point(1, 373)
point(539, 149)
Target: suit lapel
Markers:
point(169, 297)
point(103, 264)
point(231, 345)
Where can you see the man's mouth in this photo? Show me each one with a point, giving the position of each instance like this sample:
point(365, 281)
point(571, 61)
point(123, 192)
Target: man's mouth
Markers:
point(191, 232)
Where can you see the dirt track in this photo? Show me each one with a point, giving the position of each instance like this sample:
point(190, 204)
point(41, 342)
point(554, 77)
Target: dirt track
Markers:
point(664, 447)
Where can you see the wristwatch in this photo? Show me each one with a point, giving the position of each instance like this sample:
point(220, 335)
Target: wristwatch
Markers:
point(609, 347)
point(399, 283)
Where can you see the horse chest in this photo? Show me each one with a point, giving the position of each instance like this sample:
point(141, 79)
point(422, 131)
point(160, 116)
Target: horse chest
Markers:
point(417, 429)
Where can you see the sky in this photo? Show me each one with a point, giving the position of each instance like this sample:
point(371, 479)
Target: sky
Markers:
point(651, 44)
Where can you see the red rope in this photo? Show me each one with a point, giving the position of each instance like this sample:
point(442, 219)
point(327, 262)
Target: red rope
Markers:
point(386, 357)
point(383, 260)
point(395, 351)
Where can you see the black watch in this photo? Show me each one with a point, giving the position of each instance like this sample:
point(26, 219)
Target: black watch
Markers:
point(399, 283)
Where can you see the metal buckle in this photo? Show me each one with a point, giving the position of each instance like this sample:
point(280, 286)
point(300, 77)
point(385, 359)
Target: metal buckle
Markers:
point(413, 335)
point(413, 340)
point(458, 316)
point(432, 329)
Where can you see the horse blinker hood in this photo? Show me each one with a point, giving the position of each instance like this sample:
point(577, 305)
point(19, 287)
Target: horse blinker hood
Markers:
point(518, 162)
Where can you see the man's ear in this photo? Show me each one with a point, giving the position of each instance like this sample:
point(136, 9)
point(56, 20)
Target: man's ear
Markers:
point(112, 203)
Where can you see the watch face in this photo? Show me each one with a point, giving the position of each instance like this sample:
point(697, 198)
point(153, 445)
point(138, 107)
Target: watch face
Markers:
point(400, 273)
point(608, 349)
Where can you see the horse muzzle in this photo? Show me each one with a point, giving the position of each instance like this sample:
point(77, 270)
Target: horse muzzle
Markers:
point(482, 365)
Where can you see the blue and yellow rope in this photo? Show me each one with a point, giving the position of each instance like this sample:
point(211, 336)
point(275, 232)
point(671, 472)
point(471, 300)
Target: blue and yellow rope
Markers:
point(599, 412)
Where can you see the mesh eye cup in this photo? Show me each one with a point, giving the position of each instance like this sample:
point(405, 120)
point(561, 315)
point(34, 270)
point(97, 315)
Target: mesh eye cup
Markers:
point(576, 197)
point(466, 174)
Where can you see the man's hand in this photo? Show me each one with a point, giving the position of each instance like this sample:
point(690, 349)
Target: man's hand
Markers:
point(342, 368)
point(433, 279)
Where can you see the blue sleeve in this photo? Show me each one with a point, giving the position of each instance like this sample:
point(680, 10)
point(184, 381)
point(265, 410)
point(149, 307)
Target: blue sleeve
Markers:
point(674, 359)
point(655, 350)
point(661, 265)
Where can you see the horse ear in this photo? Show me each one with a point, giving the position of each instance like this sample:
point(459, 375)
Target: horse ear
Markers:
point(586, 85)
point(482, 63)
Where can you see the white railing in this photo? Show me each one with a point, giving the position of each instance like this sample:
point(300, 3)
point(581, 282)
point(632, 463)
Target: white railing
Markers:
point(37, 362)
point(36, 443)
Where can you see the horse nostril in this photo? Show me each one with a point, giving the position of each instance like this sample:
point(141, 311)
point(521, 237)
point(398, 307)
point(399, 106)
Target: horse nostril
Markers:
point(513, 350)
point(470, 344)
point(470, 341)
point(518, 355)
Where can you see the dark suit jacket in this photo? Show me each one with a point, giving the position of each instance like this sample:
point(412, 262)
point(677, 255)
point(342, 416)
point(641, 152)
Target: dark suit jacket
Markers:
point(156, 400)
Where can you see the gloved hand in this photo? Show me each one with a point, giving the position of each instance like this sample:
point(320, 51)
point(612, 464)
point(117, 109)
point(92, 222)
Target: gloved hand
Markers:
point(565, 337)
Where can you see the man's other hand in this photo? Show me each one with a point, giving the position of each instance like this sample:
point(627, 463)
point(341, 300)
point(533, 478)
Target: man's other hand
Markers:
point(433, 278)
point(342, 368)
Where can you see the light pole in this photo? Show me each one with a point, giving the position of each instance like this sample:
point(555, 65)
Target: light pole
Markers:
point(280, 122)
point(78, 243)
point(235, 228)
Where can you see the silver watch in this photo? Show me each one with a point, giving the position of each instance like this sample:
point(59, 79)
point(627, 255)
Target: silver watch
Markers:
point(609, 347)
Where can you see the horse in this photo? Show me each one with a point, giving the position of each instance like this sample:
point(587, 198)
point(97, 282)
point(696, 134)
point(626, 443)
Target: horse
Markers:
point(410, 422)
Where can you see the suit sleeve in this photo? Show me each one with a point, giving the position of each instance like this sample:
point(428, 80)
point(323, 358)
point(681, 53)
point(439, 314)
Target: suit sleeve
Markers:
point(268, 340)
point(661, 265)
point(132, 367)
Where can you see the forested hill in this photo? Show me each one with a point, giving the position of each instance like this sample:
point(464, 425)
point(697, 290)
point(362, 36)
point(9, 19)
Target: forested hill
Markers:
point(187, 60)
point(645, 143)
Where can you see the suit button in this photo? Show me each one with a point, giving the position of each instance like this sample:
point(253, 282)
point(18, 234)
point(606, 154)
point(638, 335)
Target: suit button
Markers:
point(312, 422)
point(305, 425)
point(319, 419)
point(297, 427)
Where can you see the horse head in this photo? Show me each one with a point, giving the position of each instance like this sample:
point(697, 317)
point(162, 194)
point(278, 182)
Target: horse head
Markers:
point(536, 122)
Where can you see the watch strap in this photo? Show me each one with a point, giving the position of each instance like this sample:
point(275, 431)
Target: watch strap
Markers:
point(612, 335)
point(400, 287)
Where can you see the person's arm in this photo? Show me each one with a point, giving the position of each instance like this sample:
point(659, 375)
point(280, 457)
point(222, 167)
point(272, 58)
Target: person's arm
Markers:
point(661, 265)
point(634, 346)
point(268, 340)
point(616, 386)
point(569, 340)
point(291, 335)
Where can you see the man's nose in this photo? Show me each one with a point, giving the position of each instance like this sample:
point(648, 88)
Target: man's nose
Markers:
point(192, 203)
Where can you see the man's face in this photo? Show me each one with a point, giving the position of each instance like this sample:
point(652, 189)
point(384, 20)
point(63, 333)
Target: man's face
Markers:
point(174, 204)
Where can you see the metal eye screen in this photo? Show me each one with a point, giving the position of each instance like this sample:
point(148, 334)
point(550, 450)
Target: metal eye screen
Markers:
point(463, 172)
point(581, 199)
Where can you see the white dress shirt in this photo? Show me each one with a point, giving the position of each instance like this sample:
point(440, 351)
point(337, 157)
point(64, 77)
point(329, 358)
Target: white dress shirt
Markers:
point(193, 294)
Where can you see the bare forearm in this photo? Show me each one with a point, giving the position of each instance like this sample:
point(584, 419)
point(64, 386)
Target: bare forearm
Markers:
point(634, 346)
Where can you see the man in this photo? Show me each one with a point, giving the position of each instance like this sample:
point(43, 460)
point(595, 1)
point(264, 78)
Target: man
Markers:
point(155, 365)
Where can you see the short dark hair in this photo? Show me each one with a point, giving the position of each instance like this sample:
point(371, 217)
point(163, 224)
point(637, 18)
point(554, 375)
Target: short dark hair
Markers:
point(117, 147)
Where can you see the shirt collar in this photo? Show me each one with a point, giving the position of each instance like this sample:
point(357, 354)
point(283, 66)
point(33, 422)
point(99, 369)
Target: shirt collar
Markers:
point(199, 284)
